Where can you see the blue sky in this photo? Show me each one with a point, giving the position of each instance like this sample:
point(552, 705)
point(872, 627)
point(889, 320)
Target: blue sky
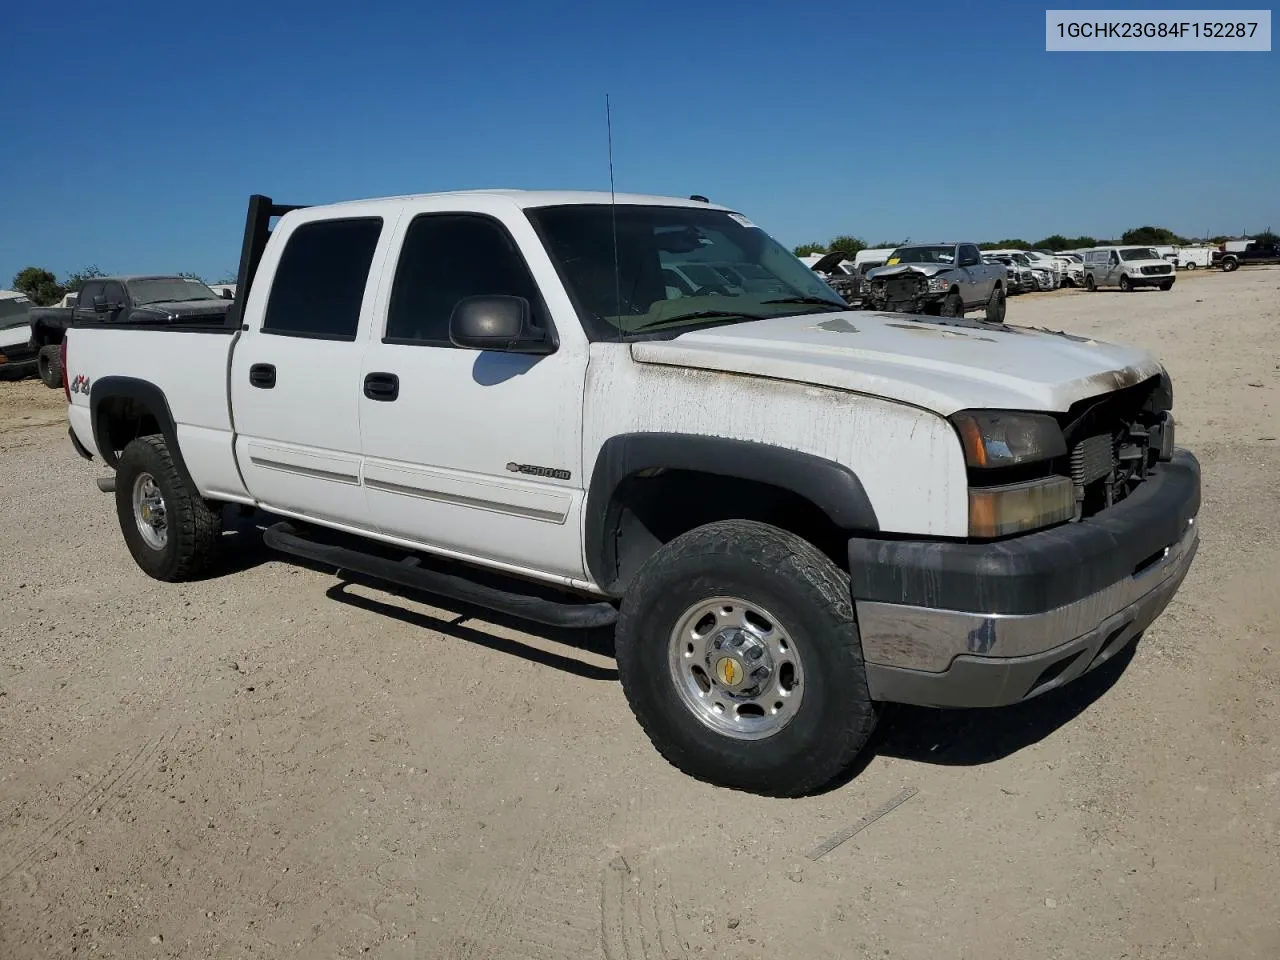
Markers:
point(134, 133)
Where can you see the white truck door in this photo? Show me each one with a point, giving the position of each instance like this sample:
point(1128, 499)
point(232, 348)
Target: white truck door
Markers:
point(476, 454)
point(295, 374)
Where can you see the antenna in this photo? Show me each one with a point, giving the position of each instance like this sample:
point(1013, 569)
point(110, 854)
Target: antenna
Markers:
point(613, 213)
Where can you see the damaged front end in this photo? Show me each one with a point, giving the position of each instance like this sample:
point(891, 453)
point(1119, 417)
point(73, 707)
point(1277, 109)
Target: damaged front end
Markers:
point(906, 291)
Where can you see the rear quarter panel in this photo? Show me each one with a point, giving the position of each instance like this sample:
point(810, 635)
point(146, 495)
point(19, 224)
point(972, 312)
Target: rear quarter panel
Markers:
point(189, 368)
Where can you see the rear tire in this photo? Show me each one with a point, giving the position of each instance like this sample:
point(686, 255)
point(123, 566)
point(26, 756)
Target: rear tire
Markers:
point(772, 599)
point(49, 366)
point(1192, 265)
point(170, 530)
point(1125, 285)
point(996, 306)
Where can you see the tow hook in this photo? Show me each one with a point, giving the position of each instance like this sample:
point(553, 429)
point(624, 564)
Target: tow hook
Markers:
point(107, 484)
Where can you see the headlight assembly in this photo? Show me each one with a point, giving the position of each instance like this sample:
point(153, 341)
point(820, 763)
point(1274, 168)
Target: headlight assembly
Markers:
point(1000, 438)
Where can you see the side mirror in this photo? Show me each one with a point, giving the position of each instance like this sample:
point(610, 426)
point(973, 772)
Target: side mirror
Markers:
point(497, 323)
point(99, 304)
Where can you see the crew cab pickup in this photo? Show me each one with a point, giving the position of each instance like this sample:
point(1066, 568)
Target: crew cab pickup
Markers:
point(156, 299)
point(944, 279)
point(790, 512)
point(1254, 254)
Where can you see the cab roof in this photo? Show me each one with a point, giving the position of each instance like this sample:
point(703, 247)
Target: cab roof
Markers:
point(526, 199)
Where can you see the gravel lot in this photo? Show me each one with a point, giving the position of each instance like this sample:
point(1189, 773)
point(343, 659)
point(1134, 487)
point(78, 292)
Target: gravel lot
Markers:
point(271, 763)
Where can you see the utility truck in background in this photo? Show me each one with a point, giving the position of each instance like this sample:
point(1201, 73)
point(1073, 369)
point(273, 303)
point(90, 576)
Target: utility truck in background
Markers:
point(790, 512)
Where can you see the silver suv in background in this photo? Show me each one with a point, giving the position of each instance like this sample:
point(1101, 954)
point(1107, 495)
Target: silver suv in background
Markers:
point(1127, 268)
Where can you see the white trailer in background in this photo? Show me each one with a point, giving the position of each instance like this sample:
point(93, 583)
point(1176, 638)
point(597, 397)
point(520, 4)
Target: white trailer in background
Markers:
point(1192, 258)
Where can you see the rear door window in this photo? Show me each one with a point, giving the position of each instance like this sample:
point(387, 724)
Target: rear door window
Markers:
point(319, 283)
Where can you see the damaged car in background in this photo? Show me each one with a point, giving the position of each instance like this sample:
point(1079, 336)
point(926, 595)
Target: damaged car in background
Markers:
point(943, 279)
point(841, 275)
point(1019, 278)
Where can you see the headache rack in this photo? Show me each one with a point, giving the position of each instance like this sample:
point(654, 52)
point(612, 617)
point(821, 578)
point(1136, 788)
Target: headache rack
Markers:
point(257, 230)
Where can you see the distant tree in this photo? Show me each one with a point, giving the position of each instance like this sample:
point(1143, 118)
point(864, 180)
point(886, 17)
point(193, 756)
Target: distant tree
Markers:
point(849, 246)
point(191, 276)
point(889, 244)
point(1218, 241)
point(1151, 236)
point(39, 284)
point(1014, 244)
point(804, 250)
point(1054, 241)
point(1266, 236)
point(76, 280)
point(1078, 243)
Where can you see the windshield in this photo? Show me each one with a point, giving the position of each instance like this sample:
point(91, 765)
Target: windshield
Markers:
point(677, 268)
point(13, 312)
point(169, 290)
point(923, 255)
point(1139, 253)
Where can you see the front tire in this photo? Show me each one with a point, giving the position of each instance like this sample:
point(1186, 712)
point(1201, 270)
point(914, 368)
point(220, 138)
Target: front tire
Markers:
point(996, 306)
point(1090, 284)
point(1230, 264)
point(49, 366)
point(952, 305)
point(170, 530)
point(1126, 286)
point(740, 657)
point(1166, 287)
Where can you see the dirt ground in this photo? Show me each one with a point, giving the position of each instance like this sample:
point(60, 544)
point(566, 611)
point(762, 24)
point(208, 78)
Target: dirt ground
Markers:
point(271, 763)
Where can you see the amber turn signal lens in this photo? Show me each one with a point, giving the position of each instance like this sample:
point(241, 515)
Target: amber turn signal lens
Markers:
point(1018, 507)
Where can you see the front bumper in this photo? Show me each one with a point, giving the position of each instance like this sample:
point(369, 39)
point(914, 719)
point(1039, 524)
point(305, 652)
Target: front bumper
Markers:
point(980, 625)
point(1154, 281)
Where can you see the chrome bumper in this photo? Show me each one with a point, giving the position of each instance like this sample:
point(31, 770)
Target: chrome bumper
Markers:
point(941, 657)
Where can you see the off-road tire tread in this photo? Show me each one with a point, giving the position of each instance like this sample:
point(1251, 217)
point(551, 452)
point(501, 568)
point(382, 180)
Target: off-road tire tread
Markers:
point(49, 366)
point(194, 526)
point(782, 555)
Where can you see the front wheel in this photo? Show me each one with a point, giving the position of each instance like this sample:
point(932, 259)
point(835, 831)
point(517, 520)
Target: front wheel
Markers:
point(996, 306)
point(739, 654)
point(1166, 287)
point(952, 305)
point(1090, 284)
point(1126, 285)
point(169, 528)
point(49, 365)
point(1229, 264)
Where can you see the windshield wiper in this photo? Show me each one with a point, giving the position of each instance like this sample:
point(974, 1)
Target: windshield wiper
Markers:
point(822, 300)
point(695, 315)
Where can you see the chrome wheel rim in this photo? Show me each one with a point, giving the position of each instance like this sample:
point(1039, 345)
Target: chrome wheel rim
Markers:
point(736, 668)
point(149, 512)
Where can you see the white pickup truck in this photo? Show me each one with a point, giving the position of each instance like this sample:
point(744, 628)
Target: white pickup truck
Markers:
point(790, 511)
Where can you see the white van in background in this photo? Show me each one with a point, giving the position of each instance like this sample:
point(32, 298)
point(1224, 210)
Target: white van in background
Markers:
point(1127, 268)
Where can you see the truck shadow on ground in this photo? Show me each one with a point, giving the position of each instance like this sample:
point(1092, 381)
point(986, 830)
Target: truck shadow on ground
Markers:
point(944, 737)
point(977, 736)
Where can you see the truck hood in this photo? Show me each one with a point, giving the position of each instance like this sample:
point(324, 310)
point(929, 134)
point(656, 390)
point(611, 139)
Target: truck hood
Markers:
point(182, 309)
point(943, 365)
point(924, 269)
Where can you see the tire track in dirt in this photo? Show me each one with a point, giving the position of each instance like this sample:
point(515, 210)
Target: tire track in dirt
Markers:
point(639, 919)
point(122, 772)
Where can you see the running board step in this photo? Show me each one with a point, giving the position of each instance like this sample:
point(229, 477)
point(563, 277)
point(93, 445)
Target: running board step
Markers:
point(409, 573)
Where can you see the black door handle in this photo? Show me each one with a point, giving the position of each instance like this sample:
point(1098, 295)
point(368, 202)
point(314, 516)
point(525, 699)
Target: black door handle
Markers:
point(381, 386)
point(262, 375)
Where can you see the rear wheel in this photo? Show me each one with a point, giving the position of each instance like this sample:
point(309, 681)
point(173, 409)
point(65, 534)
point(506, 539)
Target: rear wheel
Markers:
point(1192, 265)
point(739, 655)
point(1125, 284)
point(49, 366)
point(996, 306)
point(952, 305)
point(169, 528)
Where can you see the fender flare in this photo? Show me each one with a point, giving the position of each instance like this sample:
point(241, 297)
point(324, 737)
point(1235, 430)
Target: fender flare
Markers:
point(832, 487)
point(153, 398)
